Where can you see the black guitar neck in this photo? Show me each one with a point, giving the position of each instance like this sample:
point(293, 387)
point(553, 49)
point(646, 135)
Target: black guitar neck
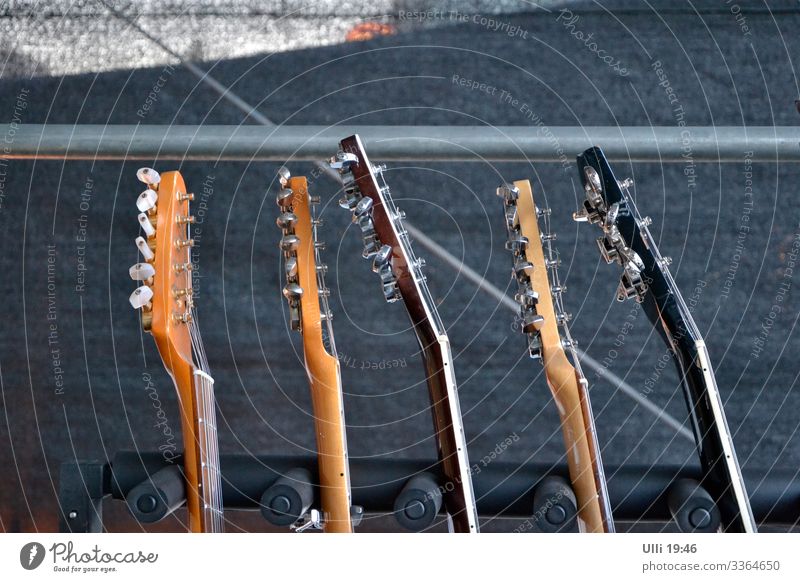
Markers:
point(646, 277)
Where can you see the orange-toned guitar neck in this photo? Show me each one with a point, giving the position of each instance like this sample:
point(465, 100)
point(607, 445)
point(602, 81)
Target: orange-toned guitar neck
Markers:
point(567, 385)
point(323, 372)
point(169, 320)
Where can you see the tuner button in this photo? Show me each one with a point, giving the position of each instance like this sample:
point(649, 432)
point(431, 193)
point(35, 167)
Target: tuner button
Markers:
point(593, 182)
point(149, 176)
point(341, 161)
point(146, 200)
point(517, 243)
point(286, 220)
point(363, 207)
point(527, 297)
point(144, 248)
point(284, 197)
point(532, 322)
point(283, 176)
point(290, 243)
point(146, 225)
point(523, 268)
point(291, 268)
point(141, 271)
point(292, 291)
point(383, 255)
point(509, 192)
point(141, 297)
point(611, 216)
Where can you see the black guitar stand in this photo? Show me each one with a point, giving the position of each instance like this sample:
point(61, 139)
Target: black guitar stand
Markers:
point(285, 488)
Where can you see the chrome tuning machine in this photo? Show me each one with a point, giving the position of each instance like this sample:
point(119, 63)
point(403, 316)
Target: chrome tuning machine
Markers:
point(528, 299)
point(289, 243)
point(361, 207)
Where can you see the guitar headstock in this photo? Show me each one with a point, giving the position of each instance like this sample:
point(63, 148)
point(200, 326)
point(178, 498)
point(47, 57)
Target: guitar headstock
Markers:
point(535, 269)
point(165, 292)
point(626, 237)
point(305, 288)
point(386, 241)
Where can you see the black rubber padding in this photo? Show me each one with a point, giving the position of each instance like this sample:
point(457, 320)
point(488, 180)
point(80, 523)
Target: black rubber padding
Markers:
point(692, 507)
point(418, 503)
point(554, 506)
point(155, 498)
point(288, 498)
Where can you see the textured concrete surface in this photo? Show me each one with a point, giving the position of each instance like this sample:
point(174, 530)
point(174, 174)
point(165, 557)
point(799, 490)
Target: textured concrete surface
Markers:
point(714, 73)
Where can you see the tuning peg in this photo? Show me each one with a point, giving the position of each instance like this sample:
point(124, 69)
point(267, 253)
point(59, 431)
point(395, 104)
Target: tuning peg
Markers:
point(284, 197)
point(190, 219)
point(341, 161)
point(558, 289)
point(625, 184)
point(535, 346)
point(363, 207)
point(286, 220)
point(645, 221)
point(527, 297)
point(611, 215)
point(290, 243)
point(183, 243)
point(350, 199)
point(532, 322)
point(381, 258)
point(516, 242)
point(291, 268)
point(147, 226)
point(563, 317)
point(593, 182)
point(147, 200)
point(607, 250)
point(509, 192)
point(142, 271)
point(322, 268)
point(665, 261)
point(141, 297)
point(144, 248)
point(523, 268)
point(548, 236)
point(283, 176)
point(183, 196)
point(541, 212)
point(292, 291)
point(149, 176)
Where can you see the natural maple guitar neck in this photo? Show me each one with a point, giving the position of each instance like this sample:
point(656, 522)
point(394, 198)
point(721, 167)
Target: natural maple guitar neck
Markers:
point(324, 376)
point(567, 386)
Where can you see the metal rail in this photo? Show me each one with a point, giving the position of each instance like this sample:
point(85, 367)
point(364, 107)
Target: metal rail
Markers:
point(399, 143)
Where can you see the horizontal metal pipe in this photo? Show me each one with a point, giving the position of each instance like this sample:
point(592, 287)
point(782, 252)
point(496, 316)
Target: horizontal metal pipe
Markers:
point(393, 143)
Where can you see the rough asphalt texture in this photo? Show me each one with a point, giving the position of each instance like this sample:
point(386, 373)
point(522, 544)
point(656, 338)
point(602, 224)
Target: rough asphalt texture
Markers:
point(719, 76)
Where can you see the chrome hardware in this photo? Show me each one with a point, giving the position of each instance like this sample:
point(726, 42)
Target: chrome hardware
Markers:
point(509, 192)
point(543, 212)
point(284, 197)
point(563, 318)
point(313, 521)
point(645, 221)
point(548, 236)
point(665, 261)
point(362, 208)
point(552, 263)
point(558, 289)
point(527, 297)
point(608, 250)
point(286, 220)
point(631, 283)
point(516, 243)
point(290, 268)
point(290, 243)
point(625, 184)
point(522, 270)
point(532, 322)
point(320, 246)
point(283, 176)
point(293, 292)
point(322, 268)
point(378, 168)
point(342, 161)
point(593, 182)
